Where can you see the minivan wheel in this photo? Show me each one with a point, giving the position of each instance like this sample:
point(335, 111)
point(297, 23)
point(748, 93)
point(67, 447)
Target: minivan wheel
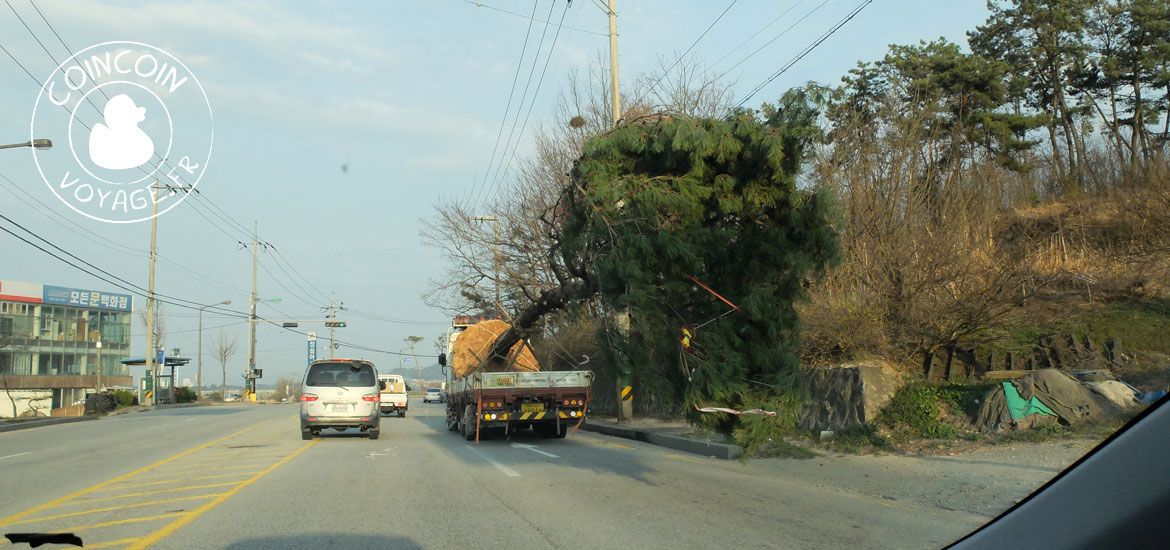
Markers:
point(373, 434)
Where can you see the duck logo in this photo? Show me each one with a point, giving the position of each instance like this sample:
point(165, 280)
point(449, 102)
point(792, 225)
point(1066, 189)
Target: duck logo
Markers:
point(139, 128)
point(120, 144)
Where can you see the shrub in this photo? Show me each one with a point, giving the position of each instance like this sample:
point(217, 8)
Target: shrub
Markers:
point(125, 398)
point(186, 395)
point(917, 406)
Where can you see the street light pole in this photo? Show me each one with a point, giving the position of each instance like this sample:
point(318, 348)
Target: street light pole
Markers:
point(199, 371)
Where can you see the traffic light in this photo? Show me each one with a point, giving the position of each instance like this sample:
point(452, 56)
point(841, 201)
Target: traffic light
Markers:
point(335, 324)
point(289, 325)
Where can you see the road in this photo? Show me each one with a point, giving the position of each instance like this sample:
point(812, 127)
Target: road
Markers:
point(239, 476)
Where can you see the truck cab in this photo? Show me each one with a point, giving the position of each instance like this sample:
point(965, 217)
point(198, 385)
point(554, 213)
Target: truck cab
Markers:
point(393, 396)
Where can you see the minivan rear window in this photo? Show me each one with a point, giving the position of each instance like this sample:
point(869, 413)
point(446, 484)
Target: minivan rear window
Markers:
point(340, 374)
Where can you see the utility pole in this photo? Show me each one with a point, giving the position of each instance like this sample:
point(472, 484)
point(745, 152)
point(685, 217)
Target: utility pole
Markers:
point(412, 340)
point(625, 390)
point(150, 344)
point(249, 381)
point(332, 331)
point(615, 97)
point(99, 365)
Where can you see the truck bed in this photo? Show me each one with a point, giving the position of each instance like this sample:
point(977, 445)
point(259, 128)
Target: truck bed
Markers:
point(522, 380)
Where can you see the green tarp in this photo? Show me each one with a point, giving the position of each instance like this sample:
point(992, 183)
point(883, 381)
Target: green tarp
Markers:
point(1021, 408)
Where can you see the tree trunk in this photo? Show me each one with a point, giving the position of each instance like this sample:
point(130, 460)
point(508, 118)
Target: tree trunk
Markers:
point(548, 302)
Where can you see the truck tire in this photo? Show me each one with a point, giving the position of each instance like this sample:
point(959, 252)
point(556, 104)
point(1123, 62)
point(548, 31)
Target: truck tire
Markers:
point(402, 413)
point(468, 423)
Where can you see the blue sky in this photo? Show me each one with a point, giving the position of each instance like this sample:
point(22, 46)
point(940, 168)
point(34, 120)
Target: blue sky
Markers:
point(407, 95)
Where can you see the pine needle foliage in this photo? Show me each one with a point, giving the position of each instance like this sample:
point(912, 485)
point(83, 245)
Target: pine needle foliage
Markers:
point(656, 203)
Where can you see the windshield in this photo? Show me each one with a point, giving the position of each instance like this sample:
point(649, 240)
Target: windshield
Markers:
point(712, 274)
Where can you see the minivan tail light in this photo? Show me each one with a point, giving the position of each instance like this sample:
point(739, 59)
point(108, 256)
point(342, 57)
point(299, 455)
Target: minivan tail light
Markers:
point(371, 397)
point(308, 397)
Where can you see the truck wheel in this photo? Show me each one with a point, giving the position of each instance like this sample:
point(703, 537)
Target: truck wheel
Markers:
point(402, 413)
point(468, 423)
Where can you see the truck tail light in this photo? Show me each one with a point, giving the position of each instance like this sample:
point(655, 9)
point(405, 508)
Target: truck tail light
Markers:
point(308, 397)
point(371, 397)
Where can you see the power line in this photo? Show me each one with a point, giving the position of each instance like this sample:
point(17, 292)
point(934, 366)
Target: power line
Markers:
point(299, 274)
point(523, 96)
point(684, 54)
point(123, 283)
point(530, 19)
point(543, 70)
point(774, 38)
point(512, 92)
point(757, 33)
point(807, 50)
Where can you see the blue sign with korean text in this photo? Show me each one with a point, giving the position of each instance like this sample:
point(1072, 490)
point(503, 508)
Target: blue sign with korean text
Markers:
point(86, 298)
point(312, 350)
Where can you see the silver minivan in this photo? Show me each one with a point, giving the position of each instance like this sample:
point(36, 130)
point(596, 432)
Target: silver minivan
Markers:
point(340, 394)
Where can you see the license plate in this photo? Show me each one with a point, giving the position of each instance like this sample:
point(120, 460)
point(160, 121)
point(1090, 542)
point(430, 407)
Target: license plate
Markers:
point(531, 407)
point(339, 408)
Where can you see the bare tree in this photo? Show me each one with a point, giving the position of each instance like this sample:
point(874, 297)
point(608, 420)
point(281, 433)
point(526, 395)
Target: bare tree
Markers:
point(160, 324)
point(223, 347)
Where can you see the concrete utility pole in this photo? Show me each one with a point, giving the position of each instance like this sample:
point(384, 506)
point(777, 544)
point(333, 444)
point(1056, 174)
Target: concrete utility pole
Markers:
point(150, 344)
point(249, 381)
point(615, 96)
point(332, 330)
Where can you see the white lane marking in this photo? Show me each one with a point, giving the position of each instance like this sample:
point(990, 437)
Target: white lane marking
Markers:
point(507, 471)
point(533, 449)
point(188, 420)
point(17, 454)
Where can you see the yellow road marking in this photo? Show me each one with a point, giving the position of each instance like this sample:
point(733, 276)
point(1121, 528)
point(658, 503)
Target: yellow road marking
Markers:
point(113, 508)
point(686, 458)
point(171, 490)
point(234, 457)
point(176, 472)
point(111, 523)
point(114, 543)
point(122, 477)
point(183, 478)
point(624, 446)
point(188, 517)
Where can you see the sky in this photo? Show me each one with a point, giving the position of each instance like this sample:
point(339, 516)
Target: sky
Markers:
point(338, 126)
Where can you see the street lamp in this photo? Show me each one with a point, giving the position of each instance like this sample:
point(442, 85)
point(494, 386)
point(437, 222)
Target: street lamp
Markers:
point(199, 372)
point(99, 366)
point(36, 144)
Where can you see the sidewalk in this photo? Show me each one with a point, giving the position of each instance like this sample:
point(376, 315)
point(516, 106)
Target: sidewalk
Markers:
point(12, 424)
point(673, 434)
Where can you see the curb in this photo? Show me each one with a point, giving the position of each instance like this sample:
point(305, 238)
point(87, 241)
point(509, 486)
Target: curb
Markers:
point(40, 422)
point(678, 443)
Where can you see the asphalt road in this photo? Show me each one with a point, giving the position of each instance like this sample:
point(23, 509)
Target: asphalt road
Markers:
point(240, 477)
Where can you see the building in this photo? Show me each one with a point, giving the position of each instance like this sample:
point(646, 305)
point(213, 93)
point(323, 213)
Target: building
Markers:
point(49, 345)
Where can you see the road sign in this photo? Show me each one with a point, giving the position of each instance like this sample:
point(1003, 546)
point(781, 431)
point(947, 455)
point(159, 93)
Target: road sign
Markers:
point(162, 355)
point(405, 360)
point(312, 336)
point(312, 351)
